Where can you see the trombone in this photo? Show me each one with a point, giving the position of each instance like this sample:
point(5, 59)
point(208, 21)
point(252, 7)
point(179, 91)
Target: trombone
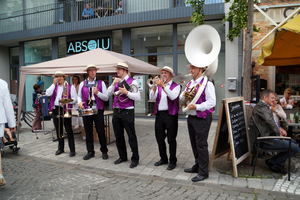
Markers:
point(64, 100)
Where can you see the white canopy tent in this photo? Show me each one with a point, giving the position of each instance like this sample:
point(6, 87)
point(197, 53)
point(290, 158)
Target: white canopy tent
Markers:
point(76, 64)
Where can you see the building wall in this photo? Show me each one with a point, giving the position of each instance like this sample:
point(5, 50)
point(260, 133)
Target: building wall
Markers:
point(4, 64)
point(276, 10)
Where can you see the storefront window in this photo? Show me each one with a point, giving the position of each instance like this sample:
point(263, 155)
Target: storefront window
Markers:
point(38, 51)
point(62, 52)
point(287, 77)
point(35, 52)
point(14, 56)
point(154, 39)
point(117, 41)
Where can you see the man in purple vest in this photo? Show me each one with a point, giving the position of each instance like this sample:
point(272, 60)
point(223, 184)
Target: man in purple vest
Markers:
point(166, 111)
point(123, 116)
point(91, 87)
point(199, 121)
point(61, 90)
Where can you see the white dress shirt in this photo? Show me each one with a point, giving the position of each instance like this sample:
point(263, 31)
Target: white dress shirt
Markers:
point(133, 95)
point(102, 95)
point(7, 113)
point(60, 88)
point(172, 94)
point(210, 97)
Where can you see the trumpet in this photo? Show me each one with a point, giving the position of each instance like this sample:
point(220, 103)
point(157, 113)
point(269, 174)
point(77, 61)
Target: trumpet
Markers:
point(151, 82)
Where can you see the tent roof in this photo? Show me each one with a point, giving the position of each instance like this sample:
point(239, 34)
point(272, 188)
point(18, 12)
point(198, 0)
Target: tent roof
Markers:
point(284, 48)
point(76, 64)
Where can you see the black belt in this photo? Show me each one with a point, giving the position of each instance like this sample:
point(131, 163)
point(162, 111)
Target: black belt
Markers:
point(121, 109)
point(163, 111)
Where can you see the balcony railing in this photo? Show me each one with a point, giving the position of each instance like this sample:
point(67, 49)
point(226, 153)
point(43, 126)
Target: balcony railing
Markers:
point(71, 11)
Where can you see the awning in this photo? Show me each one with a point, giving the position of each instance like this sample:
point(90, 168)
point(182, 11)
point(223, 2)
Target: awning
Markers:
point(284, 48)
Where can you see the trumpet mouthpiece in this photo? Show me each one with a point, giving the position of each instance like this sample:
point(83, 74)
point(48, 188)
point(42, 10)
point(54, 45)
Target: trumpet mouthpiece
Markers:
point(188, 75)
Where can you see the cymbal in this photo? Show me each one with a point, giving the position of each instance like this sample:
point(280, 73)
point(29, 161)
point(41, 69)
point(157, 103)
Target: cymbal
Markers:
point(65, 100)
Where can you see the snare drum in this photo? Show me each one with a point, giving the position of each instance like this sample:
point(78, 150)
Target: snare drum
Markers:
point(87, 112)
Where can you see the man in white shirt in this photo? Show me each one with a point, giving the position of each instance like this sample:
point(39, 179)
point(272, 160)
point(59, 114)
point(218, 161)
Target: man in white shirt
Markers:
point(199, 121)
point(95, 89)
point(123, 116)
point(7, 116)
point(62, 90)
point(166, 110)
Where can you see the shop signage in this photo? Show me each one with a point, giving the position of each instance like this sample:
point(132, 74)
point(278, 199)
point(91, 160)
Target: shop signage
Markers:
point(79, 46)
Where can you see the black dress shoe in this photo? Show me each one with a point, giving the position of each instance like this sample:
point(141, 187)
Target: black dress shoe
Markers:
point(171, 166)
point(104, 156)
point(88, 155)
point(120, 160)
point(199, 178)
point(72, 154)
point(268, 162)
point(191, 170)
point(161, 162)
point(58, 152)
point(278, 169)
point(134, 164)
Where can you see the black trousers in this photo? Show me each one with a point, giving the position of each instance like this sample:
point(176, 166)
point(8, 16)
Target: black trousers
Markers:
point(124, 118)
point(198, 131)
point(88, 122)
point(59, 122)
point(166, 122)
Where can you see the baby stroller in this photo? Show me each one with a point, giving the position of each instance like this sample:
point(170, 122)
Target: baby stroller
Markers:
point(9, 140)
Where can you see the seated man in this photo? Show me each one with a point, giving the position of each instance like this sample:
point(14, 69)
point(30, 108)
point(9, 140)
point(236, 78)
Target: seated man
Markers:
point(87, 13)
point(262, 118)
point(119, 11)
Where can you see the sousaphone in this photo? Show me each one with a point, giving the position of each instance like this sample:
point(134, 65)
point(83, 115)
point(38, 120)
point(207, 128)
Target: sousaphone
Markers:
point(202, 47)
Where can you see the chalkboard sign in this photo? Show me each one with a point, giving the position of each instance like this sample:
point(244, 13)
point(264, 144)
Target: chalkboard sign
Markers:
point(238, 128)
point(232, 133)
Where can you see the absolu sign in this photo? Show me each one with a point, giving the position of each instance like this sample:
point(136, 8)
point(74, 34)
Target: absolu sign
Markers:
point(79, 46)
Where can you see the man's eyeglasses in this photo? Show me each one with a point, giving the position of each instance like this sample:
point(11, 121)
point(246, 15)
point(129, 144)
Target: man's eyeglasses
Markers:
point(289, 93)
point(118, 69)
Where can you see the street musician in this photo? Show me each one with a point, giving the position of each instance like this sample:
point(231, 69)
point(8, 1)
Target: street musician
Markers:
point(123, 116)
point(92, 94)
point(199, 121)
point(62, 92)
point(166, 94)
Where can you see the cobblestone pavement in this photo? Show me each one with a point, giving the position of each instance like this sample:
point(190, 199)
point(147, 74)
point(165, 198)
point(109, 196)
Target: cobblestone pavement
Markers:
point(44, 149)
point(39, 178)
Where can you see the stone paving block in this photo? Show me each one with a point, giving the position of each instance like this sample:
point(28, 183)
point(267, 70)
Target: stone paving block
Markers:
point(173, 185)
point(231, 193)
point(225, 179)
point(240, 182)
point(157, 178)
point(187, 187)
point(260, 191)
point(216, 186)
point(170, 180)
point(248, 195)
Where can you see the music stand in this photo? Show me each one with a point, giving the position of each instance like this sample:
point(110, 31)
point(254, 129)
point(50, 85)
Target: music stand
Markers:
point(43, 99)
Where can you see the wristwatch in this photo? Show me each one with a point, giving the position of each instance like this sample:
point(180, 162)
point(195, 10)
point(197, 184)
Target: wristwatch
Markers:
point(276, 111)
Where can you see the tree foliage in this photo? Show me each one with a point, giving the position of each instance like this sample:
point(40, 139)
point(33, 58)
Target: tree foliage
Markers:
point(198, 14)
point(237, 15)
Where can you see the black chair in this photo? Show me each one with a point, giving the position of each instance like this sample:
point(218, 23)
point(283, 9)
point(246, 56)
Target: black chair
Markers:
point(258, 149)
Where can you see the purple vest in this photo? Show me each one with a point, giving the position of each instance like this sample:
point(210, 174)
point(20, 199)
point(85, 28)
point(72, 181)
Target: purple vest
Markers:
point(202, 114)
point(120, 103)
point(85, 92)
point(173, 106)
point(54, 97)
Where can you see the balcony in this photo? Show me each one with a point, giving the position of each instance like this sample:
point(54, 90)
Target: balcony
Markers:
point(66, 17)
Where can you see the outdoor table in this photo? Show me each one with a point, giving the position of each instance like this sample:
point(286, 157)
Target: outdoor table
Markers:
point(103, 12)
point(290, 126)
